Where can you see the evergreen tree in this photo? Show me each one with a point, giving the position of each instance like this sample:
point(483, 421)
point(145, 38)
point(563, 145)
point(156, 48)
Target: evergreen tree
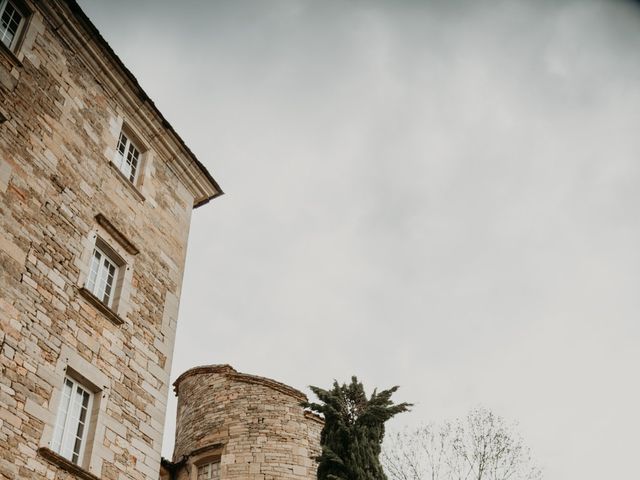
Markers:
point(353, 430)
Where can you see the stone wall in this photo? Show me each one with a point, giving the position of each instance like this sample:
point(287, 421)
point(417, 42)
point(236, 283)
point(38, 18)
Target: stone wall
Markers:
point(66, 97)
point(254, 425)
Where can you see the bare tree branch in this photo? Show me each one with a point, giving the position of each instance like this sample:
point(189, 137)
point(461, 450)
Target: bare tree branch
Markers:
point(481, 446)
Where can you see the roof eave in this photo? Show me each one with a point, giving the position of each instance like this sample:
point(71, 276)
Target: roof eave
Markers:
point(206, 193)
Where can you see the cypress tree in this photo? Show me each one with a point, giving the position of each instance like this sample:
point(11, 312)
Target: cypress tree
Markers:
point(353, 430)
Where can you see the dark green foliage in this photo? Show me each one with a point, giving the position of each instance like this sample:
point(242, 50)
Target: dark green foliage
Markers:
point(353, 430)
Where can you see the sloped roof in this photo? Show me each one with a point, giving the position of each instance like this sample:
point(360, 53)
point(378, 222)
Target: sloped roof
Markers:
point(97, 36)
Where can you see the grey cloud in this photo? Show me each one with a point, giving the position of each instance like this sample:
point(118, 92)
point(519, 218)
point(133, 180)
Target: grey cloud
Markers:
point(437, 194)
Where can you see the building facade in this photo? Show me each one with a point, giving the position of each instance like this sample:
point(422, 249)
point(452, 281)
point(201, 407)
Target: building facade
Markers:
point(235, 426)
point(96, 196)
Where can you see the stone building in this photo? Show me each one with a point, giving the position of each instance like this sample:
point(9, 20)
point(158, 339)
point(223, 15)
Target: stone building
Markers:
point(96, 196)
point(233, 426)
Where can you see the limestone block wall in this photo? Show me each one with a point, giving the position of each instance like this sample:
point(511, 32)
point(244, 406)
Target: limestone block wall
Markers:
point(254, 425)
point(65, 101)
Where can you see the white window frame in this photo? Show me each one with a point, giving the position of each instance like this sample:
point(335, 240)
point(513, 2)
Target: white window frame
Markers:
point(23, 16)
point(128, 157)
point(69, 421)
point(71, 364)
point(101, 267)
point(206, 471)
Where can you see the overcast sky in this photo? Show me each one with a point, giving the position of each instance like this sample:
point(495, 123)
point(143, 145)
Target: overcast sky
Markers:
point(442, 195)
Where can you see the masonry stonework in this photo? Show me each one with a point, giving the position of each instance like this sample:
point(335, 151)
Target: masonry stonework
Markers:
point(253, 426)
point(64, 99)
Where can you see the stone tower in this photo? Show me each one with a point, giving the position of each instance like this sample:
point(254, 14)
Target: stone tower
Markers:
point(96, 195)
point(233, 426)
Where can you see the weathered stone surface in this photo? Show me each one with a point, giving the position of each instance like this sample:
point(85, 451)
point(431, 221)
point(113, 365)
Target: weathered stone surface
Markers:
point(254, 425)
point(66, 96)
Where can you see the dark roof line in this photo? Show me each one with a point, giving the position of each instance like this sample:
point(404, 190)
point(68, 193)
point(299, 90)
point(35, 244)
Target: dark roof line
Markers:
point(231, 373)
point(77, 10)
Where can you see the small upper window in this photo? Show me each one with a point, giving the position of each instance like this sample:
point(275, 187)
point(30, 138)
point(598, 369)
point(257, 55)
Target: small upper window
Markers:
point(11, 20)
point(127, 157)
point(103, 276)
point(72, 422)
point(209, 471)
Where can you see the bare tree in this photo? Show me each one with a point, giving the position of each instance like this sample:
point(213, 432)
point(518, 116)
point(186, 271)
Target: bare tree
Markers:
point(481, 446)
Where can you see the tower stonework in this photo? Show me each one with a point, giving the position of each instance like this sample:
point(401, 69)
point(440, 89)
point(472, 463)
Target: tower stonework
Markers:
point(96, 196)
point(247, 427)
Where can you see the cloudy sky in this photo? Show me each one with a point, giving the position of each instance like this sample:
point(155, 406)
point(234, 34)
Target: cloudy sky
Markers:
point(437, 194)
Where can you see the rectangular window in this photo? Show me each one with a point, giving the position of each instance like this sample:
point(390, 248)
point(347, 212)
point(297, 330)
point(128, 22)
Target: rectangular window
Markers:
point(127, 157)
point(103, 275)
point(74, 412)
point(11, 20)
point(209, 471)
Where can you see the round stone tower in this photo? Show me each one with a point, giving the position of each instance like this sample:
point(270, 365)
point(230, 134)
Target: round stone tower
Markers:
point(251, 427)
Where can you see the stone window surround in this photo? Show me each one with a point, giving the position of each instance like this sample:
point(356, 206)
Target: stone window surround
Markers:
point(109, 227)
point(202, 456)
point(64, 464)
point(26, 13)
point(105, 272)
point(144, 159)
point(124, 250)
point(71, 364)
point(73, 418)
point(128, 156)
point(206, 467)
point(32, 25)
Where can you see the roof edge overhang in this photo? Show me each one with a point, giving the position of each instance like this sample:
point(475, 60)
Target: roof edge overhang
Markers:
point(231, 373)
point(107, 66)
